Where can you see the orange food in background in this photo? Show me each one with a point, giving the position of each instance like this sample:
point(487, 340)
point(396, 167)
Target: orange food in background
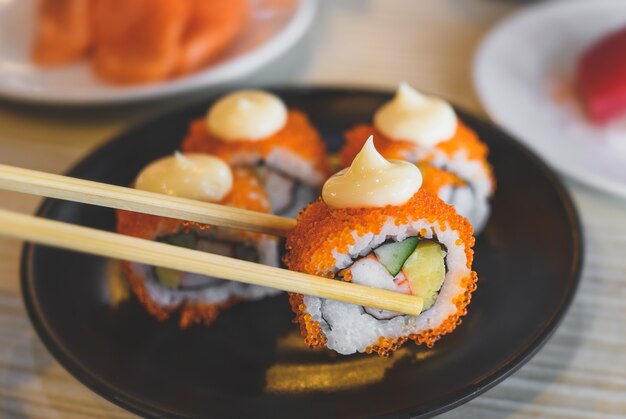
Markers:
point(138, 41)
point(64, 31)
point(212, 26)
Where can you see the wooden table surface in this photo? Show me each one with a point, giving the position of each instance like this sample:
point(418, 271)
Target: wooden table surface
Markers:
point(580, 373)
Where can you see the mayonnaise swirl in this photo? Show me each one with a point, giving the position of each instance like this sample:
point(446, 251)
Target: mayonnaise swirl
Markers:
point(250, 115)
point(411, 116)
point(193, 176)
point(372, 181)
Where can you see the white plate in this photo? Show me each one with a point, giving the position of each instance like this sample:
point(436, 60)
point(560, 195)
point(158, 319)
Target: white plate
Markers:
point(523, 74)
point(275, 26)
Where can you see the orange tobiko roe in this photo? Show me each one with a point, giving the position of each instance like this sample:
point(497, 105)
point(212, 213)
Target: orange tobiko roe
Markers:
point(433, 179)
point(298, 136)
point(246, 193)
point(321, 230)
point(464, 139)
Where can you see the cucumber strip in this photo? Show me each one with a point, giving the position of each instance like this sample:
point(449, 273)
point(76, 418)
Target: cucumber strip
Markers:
point(393, 255)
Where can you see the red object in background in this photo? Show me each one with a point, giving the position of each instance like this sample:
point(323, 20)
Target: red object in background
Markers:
point(601, 78)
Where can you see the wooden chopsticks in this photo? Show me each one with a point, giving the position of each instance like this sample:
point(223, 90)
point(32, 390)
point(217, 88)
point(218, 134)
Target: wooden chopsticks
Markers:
point(72, 189)
point(97, 242)
point(103, 243)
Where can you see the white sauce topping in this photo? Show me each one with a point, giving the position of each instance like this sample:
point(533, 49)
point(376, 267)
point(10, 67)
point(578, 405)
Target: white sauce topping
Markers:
point(193, 176)
point(372, 181)
point(250, 115)
point(411, 116)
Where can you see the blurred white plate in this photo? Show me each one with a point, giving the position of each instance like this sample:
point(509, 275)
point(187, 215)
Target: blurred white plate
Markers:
point(523, 73)
point(275, 26)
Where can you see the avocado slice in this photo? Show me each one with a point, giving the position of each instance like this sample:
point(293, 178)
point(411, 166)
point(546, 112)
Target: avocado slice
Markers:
point(172, 278)
point(188, 240)
point(393, 255)
point(426, 270)
point(169, 278)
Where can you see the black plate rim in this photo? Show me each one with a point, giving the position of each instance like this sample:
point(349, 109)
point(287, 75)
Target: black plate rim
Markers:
point(486, 383)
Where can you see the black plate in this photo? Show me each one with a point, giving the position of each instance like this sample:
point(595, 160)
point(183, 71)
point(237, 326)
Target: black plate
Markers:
point(252, 362)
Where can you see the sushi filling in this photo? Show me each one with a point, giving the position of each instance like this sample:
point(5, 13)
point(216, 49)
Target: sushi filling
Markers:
point(412, 266)
point(210, 242)
point(287, 194)
point(168, 287)
point(350, 328)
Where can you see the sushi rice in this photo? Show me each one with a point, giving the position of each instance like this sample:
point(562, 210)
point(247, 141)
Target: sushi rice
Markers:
point(326, 241)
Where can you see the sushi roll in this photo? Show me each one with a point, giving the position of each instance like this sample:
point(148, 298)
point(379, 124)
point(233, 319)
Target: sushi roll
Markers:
point(376, 226)
point(197, 298)
point(426, 131)
point(255, 129)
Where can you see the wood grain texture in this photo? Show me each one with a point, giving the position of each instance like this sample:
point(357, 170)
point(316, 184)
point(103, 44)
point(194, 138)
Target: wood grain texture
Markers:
point(580, 373)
